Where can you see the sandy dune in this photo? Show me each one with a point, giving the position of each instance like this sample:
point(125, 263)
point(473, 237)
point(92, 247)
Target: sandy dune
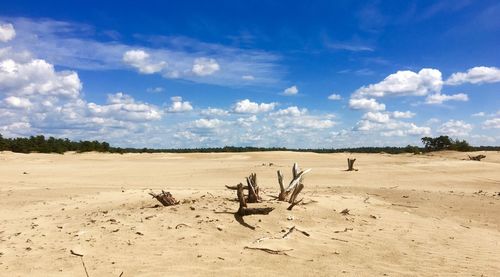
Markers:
point(423, 215)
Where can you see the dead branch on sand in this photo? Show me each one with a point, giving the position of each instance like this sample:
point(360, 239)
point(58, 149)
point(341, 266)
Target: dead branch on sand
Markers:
point(234, 187)
point(165, 198)
point(476, 158)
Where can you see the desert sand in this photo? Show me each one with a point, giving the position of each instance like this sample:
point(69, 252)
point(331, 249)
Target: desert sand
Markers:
point(409, 215)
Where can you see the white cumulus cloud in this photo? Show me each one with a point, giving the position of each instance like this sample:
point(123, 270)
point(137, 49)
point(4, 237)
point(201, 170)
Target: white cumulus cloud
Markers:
point(290, 111)
point(37, 77)
point(475, 75)
point(404, 83)
point(334, 96)
point(366, 104)
point(377, 117)
point(140, 60)
point(439, 98)
point(293, 90)
point(398, 114)
point(205, 66)
point(179, 106)
point(247, 106)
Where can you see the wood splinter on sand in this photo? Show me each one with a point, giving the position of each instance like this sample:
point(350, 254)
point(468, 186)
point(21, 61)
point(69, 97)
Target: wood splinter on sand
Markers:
point(350, 165)
point(476, 158)
point(165, 198)
point(295, 186)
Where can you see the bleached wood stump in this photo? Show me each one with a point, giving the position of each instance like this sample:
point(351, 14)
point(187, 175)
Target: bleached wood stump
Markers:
point(350, 165)
point(295, 186)
point(244, 209)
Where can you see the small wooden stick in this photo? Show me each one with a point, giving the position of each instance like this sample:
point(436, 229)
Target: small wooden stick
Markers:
point(81, 258)
point(270, 251)
point(289, 232)
point(406, 206)
point(342, 240)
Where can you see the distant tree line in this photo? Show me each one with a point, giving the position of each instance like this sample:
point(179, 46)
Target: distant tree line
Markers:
point(50, 145)
point(41, 144)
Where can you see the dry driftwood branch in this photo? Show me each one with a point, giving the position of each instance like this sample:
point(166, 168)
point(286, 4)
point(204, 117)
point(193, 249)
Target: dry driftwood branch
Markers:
point(165, 198)
point(476, 158)
point(350, 165)
point(293, 204)
point(244, 210)
point(234, 187)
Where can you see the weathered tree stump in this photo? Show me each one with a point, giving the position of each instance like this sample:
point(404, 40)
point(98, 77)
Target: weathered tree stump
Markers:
point(476, 158)
point(350, 165)
point(295, 186)
point(165, 198)
point(244, 209)
point(253, 189)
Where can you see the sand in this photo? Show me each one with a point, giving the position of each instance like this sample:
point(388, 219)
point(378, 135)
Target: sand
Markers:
point(409, 215)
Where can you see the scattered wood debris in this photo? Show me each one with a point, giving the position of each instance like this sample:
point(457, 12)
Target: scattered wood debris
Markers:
point(165, 198)
point(343, 231)
point(345, 212)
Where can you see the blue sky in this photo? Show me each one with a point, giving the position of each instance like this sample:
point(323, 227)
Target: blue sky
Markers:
point(261, 73)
